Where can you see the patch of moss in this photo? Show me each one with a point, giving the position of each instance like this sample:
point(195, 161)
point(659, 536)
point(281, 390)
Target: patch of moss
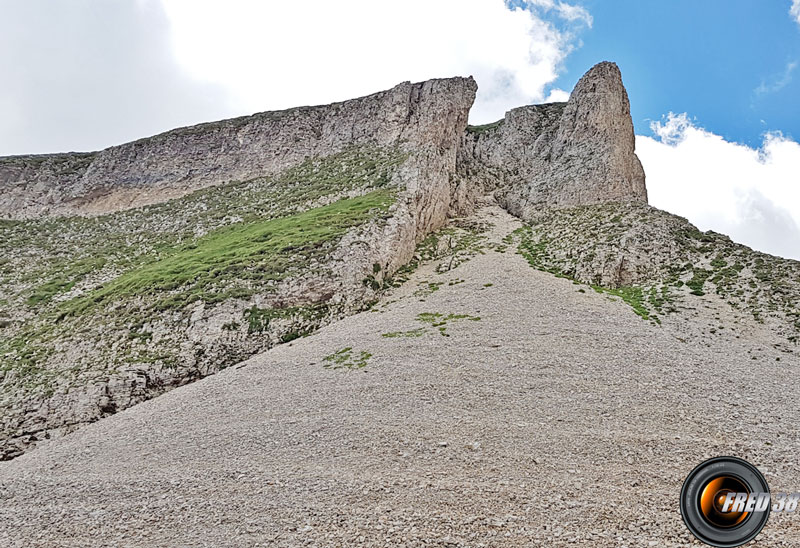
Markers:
point(69, 274)
point(440, 321)
point(633, 296)
point(699, 277)
point(427, 288)
point(347, 358)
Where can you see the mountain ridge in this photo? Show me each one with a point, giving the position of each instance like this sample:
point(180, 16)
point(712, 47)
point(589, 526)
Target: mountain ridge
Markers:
point(110, 300)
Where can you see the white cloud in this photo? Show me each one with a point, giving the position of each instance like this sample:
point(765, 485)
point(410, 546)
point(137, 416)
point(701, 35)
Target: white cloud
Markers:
point(752, 195)
point(794, 11)
point(101, 73)
point(274, 55)
point(779, 82)
point(93, 74)
point(569, 12)
point(557, 95)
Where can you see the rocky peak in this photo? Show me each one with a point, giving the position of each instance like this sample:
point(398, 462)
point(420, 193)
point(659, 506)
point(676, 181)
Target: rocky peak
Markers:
point(347, 189)
point(537, 157)
point(596, 127)
point(560, 154)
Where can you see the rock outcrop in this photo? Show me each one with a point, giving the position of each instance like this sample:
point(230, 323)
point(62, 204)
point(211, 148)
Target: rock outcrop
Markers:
point(390, 156)
point(560, 154)
point(429, 114)
point(147, 265)
point(538, 156)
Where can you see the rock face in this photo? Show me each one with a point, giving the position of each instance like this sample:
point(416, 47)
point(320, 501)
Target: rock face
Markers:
point(561, 154)
point(400, 144)
point(538, 156)
point(145, 266)
point(429, 115)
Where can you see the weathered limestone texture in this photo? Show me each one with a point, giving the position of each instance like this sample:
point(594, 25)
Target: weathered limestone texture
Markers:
point(86, 220)
point(560, 154)
point(428, 115)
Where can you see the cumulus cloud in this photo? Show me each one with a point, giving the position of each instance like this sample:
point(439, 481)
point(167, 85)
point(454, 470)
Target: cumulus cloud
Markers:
point(93, 74)
point(84, 75)
point(556, 95)
point(273, 55)
point(794, 11)
point(752, 195)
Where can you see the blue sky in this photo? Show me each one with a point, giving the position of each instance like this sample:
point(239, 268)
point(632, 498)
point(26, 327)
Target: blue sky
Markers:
point(733, 65)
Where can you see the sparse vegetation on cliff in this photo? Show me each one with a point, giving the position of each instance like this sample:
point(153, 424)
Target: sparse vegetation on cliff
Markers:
point(477, 130)
point(237, 260)
point(51, 249)
point(93, 297)
point(653, 261)
point(233, 262)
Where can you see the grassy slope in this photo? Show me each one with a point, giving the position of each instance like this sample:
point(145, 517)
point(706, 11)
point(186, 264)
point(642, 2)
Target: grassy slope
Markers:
point(220, 264)
point(108, 277)
point(40, 259)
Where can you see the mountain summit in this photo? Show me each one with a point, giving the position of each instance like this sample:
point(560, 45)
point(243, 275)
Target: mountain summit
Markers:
point(562, 154)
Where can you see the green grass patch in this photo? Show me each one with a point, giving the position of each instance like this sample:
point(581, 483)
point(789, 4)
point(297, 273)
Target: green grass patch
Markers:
point(440, 321)
point(633, 296)
point(699, 277)
point(259, 251)
point(69, 274)
point(347, 358)
point(259, 319)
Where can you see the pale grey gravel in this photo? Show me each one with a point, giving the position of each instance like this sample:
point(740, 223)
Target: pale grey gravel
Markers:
point(559, 419)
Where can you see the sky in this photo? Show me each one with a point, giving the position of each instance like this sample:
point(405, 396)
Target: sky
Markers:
point(713, 85)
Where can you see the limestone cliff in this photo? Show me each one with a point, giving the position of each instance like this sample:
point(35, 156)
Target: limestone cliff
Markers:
point(538, 156)
point(428, 114)
point(560, 154)
point(305, 216)
point(142, 267)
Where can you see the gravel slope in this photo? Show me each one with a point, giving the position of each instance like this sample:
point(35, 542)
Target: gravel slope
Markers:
point(558, 418)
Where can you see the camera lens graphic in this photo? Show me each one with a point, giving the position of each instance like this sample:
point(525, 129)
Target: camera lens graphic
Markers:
point(712, 501)
point(703, 500)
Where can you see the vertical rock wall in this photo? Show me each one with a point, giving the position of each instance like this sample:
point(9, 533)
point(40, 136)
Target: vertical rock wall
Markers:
point(560, 154)
point(426, 116)
point(537, 158)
